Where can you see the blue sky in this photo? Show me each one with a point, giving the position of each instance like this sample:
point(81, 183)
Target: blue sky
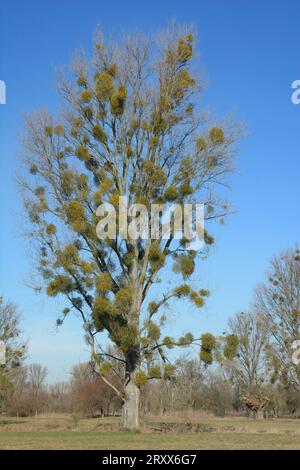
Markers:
point(250, 53)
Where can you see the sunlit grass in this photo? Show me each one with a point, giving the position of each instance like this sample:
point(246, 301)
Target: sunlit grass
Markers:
point(67, 432)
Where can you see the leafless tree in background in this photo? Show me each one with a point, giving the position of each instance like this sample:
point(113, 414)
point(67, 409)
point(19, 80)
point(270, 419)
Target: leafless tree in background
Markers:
point(15, 347)
point(248, 368)
point(279, 302)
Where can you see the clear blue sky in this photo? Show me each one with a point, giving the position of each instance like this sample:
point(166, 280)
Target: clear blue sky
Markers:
point(250, 51)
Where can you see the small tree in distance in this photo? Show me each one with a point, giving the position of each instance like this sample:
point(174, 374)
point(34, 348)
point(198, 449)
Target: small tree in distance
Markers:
point(278, 301)
point(132, 127)
point(247, 369)
point(14, 346)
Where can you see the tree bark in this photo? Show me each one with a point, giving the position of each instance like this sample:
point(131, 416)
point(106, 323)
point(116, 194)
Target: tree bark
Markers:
point(131, 407)
point(130, 411)
point(260, 414)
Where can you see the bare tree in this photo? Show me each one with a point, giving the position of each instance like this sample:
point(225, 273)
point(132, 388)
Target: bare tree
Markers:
point(10, 334)
point(82, 373)
point(248, 367)
point(60, 397)
point(90, 395)
point(279, 302)
point(14, 347)
point(188, 382)
point(36, 377)
point(36, 382)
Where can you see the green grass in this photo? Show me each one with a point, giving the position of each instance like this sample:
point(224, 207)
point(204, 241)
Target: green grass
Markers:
point(67, 433)
point(126, 440)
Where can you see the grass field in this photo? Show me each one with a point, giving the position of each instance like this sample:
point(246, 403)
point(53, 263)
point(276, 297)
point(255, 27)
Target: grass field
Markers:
point(64, 432)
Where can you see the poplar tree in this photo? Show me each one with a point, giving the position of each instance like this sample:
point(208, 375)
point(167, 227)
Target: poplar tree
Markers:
point(132, 126)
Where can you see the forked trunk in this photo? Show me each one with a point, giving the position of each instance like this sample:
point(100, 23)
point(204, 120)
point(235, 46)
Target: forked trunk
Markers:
point(130, 410)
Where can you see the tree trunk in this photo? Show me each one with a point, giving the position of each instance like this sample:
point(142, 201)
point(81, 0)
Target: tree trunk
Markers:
point(130, 410)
